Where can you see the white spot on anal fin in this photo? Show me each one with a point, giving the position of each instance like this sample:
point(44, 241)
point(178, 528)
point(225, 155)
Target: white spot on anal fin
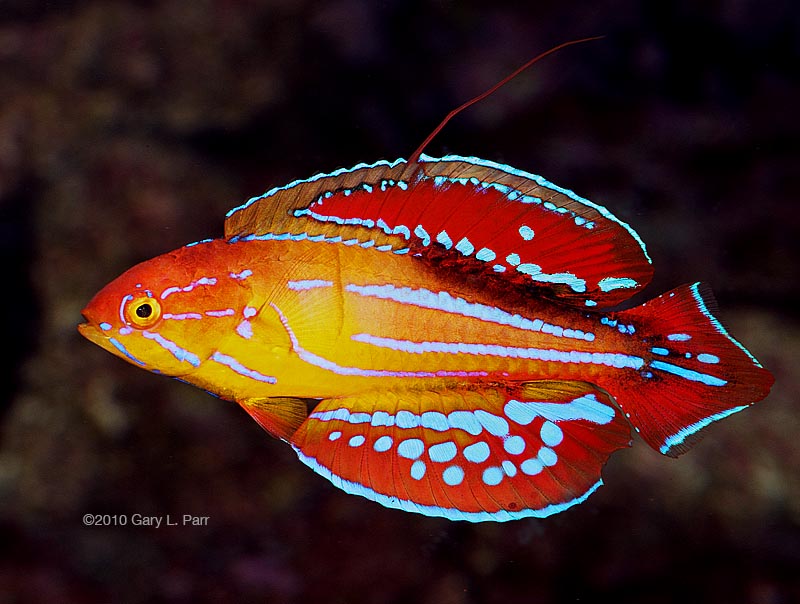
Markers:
point(418, 470)
point(453, 476)
point(477, 452)
point(382, 444)
point(442, 452)
point(515, 445)
point(492, 476)
point(551, 434)
point(531, 467)
point(411, 448)
point(357, 440)
point(585, 407)
point(547, 456)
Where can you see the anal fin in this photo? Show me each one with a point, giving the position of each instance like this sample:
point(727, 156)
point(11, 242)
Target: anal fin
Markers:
point(476, 453)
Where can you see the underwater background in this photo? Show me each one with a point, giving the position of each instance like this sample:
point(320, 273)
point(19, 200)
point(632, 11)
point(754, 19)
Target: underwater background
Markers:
point(129, 128)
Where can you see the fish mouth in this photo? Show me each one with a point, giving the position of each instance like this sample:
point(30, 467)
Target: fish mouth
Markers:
point(91, 331)
point(97, 335)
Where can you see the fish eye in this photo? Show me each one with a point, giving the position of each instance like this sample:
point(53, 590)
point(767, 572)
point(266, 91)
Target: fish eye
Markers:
point(142, 311)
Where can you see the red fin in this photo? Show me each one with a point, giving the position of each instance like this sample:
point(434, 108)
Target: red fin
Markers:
point(281, 417)
point(466, 453)
point(507, 225)
point(694, 373)
point(541, 235)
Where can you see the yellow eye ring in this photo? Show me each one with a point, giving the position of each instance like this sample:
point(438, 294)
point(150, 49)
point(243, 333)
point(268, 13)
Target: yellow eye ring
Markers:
point(142, 311)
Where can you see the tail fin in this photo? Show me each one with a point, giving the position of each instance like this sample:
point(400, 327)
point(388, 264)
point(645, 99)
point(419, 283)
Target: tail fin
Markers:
point(694, 374)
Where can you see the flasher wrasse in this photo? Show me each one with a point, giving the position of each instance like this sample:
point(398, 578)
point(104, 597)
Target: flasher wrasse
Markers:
point(444, 321)
point(446, 318)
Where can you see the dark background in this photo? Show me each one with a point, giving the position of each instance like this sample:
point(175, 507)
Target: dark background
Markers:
point(129, 128)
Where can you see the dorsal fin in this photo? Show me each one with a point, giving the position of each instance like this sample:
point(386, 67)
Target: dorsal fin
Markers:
point(466, 213)
point(280, 213)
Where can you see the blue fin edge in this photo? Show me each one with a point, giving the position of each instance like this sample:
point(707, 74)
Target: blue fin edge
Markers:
point(354, 488)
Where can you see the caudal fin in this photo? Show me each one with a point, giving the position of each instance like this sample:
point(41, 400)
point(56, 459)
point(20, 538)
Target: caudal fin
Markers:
point(694, 372)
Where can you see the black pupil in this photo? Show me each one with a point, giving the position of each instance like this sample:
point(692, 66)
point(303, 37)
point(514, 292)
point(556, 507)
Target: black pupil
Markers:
point(144, 310)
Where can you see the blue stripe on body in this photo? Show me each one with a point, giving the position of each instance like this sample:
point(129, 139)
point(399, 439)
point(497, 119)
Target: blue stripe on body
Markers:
point(175, 289)
point(179, 353)
point(323, 363)
point(305, 284)
point(232, 363)
point(609, 359)
point(121, 347)
point(443, 301)
point(225, 312)
point(181, 316)
point(242, 275)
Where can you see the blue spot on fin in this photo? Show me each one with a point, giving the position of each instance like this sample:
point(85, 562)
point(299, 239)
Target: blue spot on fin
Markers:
point(498, 437)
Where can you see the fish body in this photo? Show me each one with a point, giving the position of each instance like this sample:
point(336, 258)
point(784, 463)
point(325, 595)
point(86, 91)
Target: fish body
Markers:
point(333, 321)
point(446, 318)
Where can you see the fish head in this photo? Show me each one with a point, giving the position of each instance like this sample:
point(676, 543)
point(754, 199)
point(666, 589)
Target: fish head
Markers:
point(168, 314)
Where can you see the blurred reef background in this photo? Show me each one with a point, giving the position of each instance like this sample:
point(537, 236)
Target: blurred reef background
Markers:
point(129, 128)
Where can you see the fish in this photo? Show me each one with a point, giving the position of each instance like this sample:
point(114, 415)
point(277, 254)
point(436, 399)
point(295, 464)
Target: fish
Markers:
point(440, 335)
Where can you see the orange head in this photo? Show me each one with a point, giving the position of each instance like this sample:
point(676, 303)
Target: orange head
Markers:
point(169, 314)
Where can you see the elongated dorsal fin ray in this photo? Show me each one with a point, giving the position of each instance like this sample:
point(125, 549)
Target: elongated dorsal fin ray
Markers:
point(469, 452)
point(463, 213)
point(414, 157)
